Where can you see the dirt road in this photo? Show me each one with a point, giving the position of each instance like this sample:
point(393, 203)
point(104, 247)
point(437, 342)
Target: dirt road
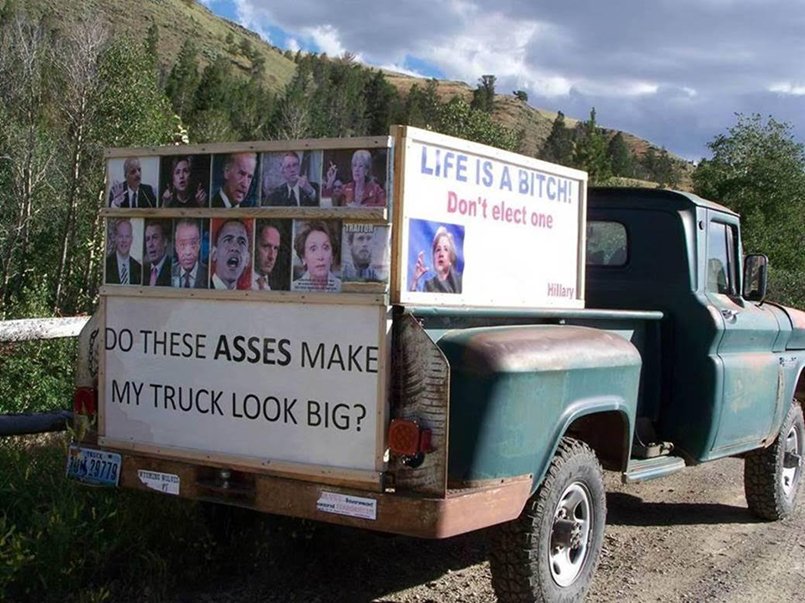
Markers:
point(688, 537)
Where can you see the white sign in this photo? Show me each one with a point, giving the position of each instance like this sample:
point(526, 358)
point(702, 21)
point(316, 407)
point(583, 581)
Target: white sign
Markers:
point(273, 382)
point(342, 504)
point(167, 483)
point(488, 228)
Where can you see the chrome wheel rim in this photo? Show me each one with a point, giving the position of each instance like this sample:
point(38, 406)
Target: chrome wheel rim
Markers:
point(792, 462)
point(570, 534)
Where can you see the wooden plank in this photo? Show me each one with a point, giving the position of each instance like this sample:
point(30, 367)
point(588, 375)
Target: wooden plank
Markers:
point(308, 144)
point(319, 473)
point(29, 329)
point(459, 512)
point(397, 253)
point(349, 214)
point(369, 299)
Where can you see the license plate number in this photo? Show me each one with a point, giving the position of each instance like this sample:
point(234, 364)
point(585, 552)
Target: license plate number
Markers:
point(93, 466)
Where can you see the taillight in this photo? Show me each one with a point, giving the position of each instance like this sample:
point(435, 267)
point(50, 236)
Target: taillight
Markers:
point(85, 401)
point(407, 438)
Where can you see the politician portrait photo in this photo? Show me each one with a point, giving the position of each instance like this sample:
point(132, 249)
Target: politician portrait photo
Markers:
point(124, 238)
point(435, 256)
point(271, 269)
point(188, 269)
point(354, 178)
point(230, 258)
point(291, 179)
point(316, 246)
point(235, 179)
point(157, 253)
point(184, 181)
point(132, 182)
point(365, 253)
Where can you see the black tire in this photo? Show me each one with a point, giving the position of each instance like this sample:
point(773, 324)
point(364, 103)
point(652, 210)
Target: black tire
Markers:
point(545, 555)
point(772, 475)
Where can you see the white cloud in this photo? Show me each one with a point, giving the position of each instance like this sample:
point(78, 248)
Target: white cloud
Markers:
point(327, 38)
point(617, 89)
point(788, 88)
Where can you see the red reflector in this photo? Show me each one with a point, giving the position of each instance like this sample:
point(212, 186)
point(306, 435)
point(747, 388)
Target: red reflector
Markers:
point(85, 401)
point(407, 438)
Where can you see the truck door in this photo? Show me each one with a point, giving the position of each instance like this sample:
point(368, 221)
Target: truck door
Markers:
point(743, 353)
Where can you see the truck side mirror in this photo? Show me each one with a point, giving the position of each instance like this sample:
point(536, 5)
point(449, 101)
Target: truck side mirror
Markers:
point(756, 277)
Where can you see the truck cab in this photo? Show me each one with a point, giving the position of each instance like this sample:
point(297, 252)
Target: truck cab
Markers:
point(727, 373)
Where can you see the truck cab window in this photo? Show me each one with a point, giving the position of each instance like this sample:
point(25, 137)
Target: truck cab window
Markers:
point(607, 244)
point(721, 256)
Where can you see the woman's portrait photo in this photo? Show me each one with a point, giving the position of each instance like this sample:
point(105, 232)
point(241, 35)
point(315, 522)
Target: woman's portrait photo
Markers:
point(435, 257)
point(355, 178)
point(317, 247)
point(185, 181)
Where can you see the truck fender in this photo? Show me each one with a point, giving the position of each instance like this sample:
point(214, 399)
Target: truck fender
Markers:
point(515, 391)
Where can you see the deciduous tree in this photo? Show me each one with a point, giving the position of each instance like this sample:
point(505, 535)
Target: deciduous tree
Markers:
point(757, 168)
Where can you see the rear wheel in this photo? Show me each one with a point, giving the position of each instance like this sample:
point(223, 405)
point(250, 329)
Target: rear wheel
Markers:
point(772, 475)
point(551, 551)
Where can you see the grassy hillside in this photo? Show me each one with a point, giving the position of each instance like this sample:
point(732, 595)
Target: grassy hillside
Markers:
point(176, 20)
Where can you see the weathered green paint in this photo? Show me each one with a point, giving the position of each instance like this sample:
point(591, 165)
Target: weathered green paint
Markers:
point(515, 390)
point(727, 378)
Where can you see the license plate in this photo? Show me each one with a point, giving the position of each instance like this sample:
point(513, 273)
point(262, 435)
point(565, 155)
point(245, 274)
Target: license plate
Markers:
point(95, 467)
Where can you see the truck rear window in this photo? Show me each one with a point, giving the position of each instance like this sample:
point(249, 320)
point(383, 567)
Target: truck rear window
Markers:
point(607, 244)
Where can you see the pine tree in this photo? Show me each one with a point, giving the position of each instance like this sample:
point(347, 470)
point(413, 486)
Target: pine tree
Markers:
point(620, 157)
point(421, 107)
point(382, 104)
point(558, 147)
point(590, 153)
point(152, 44)
point(214, 87)
point(184, 79)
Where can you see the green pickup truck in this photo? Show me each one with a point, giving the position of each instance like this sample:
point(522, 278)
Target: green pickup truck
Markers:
point(661, 354)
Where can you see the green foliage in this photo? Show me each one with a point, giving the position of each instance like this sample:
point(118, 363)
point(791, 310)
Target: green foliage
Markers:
point(382, 104)
point(758, 170)
point(215, 87)
point(132, 110)
point(152, 44)
point(483, 97)
point(558, 147)
point(35, 376)
point(520, 95)
point(457, 118)
point(590, 153)
point(421, 107)
point(620, 157)
point(184, 79)
point(660, 168)
point(60, 541)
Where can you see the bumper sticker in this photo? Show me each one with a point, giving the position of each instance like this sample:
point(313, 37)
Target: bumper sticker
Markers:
point(161, 482)
point(352, 506)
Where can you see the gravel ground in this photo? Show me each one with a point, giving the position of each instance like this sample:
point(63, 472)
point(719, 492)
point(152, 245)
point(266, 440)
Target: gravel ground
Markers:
point(685, 538)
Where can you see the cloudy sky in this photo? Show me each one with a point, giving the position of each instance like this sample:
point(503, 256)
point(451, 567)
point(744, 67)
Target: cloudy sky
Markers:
point(672, 71)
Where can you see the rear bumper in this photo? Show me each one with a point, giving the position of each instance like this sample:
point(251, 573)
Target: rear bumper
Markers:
point(458, 512)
